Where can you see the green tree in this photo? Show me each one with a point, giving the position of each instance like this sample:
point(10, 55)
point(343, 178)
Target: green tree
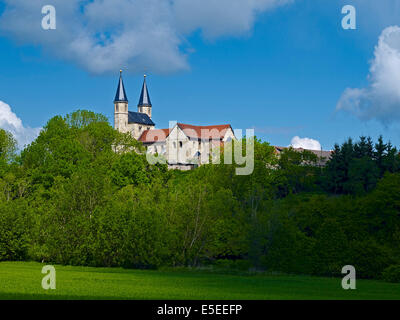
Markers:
point(8, 147)
point(331, 248)
point(82, 118)
point(297, 171)
point(14, 230)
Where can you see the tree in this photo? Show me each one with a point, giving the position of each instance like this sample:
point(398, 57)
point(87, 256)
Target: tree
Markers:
point(133, 169)
point(82, 118)
point(8, 147)
point(391, 161)
point(14, 230)
point(283, 247)
point(297, 171)
point(355, 168)
point(379, 155)
point(331, 248)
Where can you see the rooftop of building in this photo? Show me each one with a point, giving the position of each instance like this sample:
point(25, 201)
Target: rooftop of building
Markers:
point(213, 132)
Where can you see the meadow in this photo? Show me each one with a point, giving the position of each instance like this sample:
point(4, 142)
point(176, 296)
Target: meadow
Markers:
point(22, 280)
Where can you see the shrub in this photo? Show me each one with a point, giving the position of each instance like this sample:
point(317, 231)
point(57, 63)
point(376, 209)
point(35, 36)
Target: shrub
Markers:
point(369, 258)
point(330, 249)
point(14, 238)
point(392, 273)
point(286, 249)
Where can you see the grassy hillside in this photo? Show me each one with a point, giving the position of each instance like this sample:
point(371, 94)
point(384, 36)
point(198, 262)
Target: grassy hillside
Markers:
point(22, 280)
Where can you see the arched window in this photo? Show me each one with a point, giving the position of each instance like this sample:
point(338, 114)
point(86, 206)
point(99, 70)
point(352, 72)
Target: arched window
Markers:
point(180, 144)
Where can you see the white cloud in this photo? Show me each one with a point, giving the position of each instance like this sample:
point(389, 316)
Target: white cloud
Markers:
point(222, 17)
point(305, 143)
point(380, 100)
point(105, 35)
point(10, 122)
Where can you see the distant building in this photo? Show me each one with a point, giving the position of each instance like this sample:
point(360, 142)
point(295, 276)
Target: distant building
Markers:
point(323, 156)
point(184, 146)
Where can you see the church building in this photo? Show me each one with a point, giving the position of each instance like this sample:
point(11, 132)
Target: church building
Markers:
point(184, 146)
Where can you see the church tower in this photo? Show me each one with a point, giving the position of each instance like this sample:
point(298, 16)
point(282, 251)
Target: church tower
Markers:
point(144, 105)
point(121, 107)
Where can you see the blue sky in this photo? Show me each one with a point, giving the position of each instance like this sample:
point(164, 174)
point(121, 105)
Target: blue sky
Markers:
point(283, 75)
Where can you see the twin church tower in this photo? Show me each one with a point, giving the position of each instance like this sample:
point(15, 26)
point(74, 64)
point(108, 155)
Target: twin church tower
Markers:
point(133, 122)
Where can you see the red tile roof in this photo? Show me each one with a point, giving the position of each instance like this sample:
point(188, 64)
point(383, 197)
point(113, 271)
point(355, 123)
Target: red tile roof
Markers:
point(204, 132)
point(216, 132)
point(154, 135)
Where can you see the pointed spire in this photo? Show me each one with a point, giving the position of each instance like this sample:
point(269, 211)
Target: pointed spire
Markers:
point(120, 96)
point(144, 99)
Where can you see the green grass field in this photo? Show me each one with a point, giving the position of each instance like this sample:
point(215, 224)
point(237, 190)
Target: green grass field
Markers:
point(22, 280)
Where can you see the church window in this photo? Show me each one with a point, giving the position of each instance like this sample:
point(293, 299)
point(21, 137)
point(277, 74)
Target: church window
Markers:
point(180, 144)
point(174, 144)
point(140, 128)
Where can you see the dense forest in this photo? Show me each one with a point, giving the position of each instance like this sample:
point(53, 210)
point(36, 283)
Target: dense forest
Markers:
point(69, 198)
